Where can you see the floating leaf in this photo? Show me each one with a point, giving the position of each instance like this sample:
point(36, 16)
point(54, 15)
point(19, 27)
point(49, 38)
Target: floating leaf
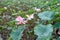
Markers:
point(43, 31)
point(16, 34)
point(58, 38)
point(46, 15)
point(57, 24)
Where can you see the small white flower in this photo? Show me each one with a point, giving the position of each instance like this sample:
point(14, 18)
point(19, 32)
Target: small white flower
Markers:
point(47, 2)
point(30, 16)
point(37, 9)
point(49, 8)
point(58, 4)
point(5, 7)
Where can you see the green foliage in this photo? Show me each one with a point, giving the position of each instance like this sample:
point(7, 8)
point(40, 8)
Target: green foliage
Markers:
point(30, 3)
point(2, 10)
point(11, 23)
point(43, 31)
point(47, 18)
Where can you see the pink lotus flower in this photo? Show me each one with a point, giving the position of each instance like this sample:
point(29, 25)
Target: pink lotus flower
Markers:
point(20, 20)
